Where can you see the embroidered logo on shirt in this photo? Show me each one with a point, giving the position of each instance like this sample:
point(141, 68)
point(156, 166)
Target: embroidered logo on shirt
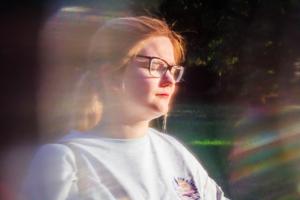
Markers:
point(186, 189)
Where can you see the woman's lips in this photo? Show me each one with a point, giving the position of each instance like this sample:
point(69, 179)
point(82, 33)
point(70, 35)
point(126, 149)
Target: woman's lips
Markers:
point(163, 95)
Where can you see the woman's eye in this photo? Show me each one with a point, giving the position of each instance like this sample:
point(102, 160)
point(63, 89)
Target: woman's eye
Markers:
point(158, 66)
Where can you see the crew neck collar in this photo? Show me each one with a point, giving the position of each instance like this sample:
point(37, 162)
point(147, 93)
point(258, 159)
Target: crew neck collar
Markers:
point(95, 135)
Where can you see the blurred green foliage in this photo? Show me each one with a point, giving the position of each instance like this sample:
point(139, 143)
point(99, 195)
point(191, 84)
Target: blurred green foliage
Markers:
point(248, 47)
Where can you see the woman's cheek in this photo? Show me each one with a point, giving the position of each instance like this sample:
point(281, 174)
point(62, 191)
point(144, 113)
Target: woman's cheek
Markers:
point(139, 89)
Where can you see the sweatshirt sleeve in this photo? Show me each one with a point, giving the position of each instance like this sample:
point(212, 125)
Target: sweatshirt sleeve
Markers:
point(212, 190)
point(52, 174)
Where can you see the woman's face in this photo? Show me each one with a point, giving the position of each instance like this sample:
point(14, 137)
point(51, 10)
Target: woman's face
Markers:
point(144, 95)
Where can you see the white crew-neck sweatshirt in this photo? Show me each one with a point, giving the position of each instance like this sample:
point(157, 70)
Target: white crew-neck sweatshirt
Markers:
point(86, 166)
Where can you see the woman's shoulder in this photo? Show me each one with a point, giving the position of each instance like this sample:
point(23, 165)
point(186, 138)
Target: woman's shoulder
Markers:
point(53, 155)
point(170, 142)
point(165, 138)
point(52, 149)
point(57, 154)
point(181, 149)
point(60, 152)
point(53, 167)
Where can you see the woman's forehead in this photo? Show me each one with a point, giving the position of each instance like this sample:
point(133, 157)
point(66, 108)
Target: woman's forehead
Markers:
point(159, 46)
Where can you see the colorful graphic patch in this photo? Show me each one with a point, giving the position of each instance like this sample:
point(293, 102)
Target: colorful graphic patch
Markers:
point(186, 189)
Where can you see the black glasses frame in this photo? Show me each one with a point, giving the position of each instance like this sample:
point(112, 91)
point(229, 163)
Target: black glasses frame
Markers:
point(168, 68)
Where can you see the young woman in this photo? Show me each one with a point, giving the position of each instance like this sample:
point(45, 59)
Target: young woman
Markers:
point(133, 69)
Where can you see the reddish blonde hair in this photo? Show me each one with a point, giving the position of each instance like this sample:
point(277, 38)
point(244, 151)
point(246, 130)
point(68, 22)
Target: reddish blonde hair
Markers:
point(116, 42)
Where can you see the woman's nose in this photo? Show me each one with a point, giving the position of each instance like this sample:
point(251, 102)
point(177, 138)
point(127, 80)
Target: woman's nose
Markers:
point(167, 79)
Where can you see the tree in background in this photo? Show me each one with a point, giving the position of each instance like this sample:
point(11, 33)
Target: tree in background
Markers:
point(238, 50)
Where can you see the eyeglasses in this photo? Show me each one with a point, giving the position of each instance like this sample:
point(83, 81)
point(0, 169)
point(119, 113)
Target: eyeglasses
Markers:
point(159, 67)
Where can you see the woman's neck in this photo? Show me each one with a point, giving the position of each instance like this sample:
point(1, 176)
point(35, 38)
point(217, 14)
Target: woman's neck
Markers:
point(118, 121)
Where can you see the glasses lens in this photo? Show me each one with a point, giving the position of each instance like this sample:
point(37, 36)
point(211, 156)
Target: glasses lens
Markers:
point(177, 72)
point(158, 67)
